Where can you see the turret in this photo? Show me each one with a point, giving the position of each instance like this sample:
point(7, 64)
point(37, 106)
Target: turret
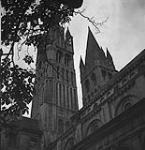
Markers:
point(96, 71)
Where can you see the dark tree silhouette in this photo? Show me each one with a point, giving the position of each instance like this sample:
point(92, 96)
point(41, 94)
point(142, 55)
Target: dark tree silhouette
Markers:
point(23, 21)
point(17, 91)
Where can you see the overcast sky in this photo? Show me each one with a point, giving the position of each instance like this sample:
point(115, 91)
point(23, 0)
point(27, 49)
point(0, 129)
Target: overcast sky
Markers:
point(123, 33)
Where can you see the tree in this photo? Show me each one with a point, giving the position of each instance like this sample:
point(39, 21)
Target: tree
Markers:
point(24, 22)
point(17, 91)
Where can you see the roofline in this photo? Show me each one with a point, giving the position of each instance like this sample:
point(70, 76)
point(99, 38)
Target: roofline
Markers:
point(117, 77)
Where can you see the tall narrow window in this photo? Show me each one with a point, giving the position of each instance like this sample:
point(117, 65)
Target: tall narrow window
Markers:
point(72, 78)
point(67, 76)
point(127, 106)
point(71, 98)
point(60, 94)
point(58, 56)
point(63, 96)
point(67, 97)
point(57, 72)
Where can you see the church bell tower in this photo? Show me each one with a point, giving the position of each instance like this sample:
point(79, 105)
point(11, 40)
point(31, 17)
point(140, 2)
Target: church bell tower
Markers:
point(55, 99)
point(97, 70)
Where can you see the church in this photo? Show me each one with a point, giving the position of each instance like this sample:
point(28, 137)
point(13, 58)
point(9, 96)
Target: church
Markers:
point(113, 112)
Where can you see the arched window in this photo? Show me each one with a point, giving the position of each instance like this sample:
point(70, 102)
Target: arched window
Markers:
point(93, 126)
point(127, 106)
point(60, 126)
point(125, 103)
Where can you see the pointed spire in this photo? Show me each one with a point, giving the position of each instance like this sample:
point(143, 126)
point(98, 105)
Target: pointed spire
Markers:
point(93, 52)
point(110, 59)
point(82, 67)
point(81, 63)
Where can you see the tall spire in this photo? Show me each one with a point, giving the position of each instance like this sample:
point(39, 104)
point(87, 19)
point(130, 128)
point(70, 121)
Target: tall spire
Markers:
point(93, 52)
point(82, 68)
point(110, 59)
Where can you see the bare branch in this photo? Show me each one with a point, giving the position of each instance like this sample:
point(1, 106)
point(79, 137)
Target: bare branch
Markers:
point(92, 20)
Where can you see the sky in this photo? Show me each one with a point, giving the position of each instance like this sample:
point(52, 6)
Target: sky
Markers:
point(123, 33)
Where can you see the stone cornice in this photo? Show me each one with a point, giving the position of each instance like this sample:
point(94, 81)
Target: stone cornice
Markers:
point(133, 113)
point(115, 80)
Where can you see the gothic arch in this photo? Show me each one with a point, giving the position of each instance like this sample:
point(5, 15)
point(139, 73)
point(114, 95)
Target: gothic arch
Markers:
point(125, 103)
point(93, 126)
point(69, 144)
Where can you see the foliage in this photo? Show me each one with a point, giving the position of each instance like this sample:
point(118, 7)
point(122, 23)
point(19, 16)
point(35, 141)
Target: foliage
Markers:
point(17, 90)
point(24, 20)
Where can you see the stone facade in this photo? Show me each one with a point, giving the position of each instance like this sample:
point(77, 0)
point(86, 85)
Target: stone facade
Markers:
point(55, 100)
point(112, 116)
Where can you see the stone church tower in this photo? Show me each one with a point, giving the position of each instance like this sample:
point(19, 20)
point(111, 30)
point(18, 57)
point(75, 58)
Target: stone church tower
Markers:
point(55, 99)
point(96, 71)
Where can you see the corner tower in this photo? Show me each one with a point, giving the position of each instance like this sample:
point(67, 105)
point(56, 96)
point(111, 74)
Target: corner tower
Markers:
point(55, 99)
point(96, 71)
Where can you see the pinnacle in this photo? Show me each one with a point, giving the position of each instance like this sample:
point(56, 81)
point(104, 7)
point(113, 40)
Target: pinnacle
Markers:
point(93, 52)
